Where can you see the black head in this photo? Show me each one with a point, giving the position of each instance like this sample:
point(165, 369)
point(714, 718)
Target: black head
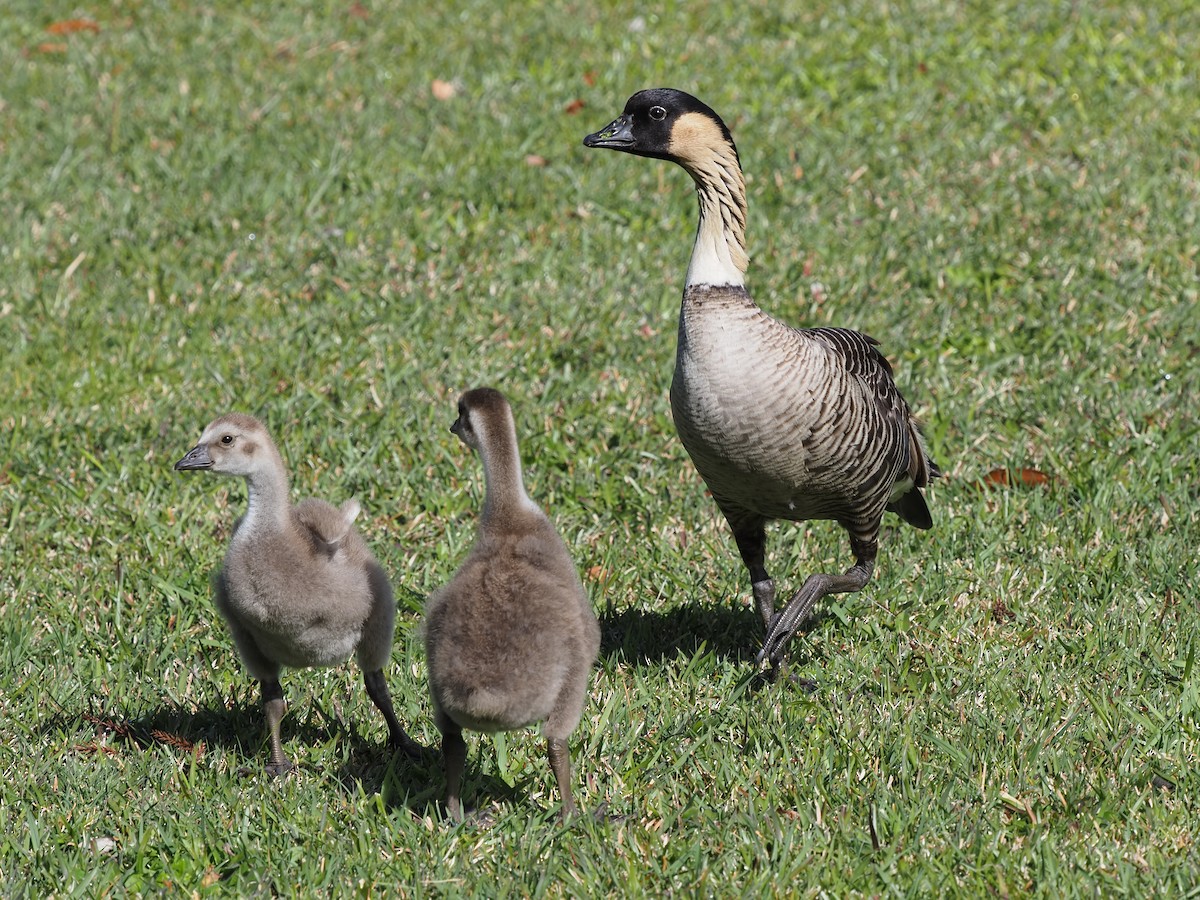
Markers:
point(663, 123)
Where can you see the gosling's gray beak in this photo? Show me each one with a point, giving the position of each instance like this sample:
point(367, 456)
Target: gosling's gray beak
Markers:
point(617, 135)
point(197, 458)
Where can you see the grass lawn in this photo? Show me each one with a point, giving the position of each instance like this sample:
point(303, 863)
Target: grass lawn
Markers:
point(339, 215)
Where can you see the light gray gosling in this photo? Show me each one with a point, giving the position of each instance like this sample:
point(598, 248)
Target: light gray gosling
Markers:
point(781, 423)
point(510, 641)
point(299, 587)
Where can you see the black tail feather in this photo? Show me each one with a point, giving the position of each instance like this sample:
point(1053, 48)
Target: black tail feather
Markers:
point(912, 509)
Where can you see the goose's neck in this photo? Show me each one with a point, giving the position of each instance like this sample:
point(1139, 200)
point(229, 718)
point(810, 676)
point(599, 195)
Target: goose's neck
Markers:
point(505, 486)
point(268, 506)
point(719, 255)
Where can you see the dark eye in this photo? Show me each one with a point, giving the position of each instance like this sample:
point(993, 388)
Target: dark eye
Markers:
point(657, 113)
point(227, 439)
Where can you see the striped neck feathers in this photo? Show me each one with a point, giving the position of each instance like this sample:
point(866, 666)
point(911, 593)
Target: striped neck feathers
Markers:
point(719, 256)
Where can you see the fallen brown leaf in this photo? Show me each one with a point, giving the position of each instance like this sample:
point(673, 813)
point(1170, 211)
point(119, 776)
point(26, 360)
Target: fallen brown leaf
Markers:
point(93, 747)
point(442, 90)
point(573, 107)
point(1001, 612)
point(1024, 477)
point(73, 26)
point(534, 160)
point(118, 728)
point(174, 740)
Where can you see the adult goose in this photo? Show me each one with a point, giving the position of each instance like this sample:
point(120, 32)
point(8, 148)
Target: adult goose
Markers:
point(511, 639)
point(299, 587)
point(781, 423)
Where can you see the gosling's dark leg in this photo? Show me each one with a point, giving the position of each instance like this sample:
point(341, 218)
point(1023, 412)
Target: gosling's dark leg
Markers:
point(560, 764)
point(274, 707)
point(397, 737)
point(454, 752)
point(751, 538)
point(814, 588)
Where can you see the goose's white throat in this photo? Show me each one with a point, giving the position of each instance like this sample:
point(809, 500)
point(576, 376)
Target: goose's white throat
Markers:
point(713, 261)
point(719, 255)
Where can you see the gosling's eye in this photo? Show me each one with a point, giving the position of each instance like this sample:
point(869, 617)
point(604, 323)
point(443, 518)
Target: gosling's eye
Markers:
point(657, 113)
point(227, 439)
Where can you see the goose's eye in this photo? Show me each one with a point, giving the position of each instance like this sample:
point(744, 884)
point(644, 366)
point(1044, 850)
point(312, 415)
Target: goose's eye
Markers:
point(227, 439)
point(657, 113)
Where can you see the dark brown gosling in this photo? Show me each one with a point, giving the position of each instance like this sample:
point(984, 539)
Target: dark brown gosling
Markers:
point(512, 638)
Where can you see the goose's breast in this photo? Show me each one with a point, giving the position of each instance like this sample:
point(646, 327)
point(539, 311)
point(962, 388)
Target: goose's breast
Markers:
point(769, 420)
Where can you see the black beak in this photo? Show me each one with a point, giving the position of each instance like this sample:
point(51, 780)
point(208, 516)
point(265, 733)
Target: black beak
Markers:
point(456, 428)
point(617, 135)
point(197, 458)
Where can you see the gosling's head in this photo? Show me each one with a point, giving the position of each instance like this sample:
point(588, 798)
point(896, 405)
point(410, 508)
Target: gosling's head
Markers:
point(482, 413)
point(664, 123)
point(235, 444)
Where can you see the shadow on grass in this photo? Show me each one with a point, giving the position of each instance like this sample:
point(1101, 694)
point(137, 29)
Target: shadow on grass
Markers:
point(239, 731)
point(420, 785)
point(729, 631)
point(733, 632)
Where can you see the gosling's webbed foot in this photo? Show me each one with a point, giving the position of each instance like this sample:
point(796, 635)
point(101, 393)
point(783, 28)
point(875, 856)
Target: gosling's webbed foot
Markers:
point(602, 815)
point(398, 738)
point(408, 746)
point(277, 769)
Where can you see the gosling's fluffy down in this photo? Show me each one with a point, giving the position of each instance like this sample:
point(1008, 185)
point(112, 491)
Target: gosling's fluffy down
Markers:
point(512, 638)
point(299, 587)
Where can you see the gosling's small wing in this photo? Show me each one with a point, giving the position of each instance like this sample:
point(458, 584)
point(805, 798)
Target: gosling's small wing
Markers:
point(325, 526)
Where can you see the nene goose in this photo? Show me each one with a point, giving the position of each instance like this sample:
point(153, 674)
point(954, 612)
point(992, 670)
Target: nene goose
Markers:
point(510, 640)
point(781, 423)
point(299, 587)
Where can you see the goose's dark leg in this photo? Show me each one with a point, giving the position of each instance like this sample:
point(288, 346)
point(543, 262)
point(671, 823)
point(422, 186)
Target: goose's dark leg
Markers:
point(397, 737)
point(274, 708)
point(560, 764)
point(815, 587)
point(751, 537)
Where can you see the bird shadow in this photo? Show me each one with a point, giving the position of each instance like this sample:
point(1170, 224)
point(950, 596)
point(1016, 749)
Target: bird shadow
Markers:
point(419, 785)
point(189, 730)
point(647, 636)
point(238, 730)
point(727, 629)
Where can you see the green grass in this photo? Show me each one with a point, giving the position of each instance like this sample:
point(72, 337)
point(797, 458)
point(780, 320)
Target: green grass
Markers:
point(262, 206)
